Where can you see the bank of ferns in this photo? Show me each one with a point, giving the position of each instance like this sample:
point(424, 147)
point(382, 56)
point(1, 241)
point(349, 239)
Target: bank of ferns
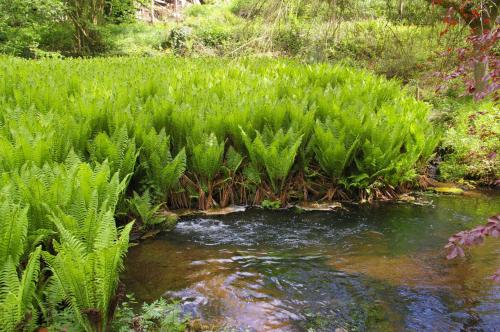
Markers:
point(78, 135)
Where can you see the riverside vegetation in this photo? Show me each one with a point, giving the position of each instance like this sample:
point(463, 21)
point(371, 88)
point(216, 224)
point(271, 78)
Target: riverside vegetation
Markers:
point(80, 136)
point(95, 151)
point(409, 40)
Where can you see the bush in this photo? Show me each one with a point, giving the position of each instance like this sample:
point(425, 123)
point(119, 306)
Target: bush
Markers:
point(157, 316)
point(213, 35)
point(120, 11)
point(178, 39)
point(58, 38)
point(392, 50)
point(23, 22)
point(289, 39)
point(246, 8)
point(472, 144)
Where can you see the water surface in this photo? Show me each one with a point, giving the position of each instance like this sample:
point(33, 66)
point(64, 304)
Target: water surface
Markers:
point(376, 268)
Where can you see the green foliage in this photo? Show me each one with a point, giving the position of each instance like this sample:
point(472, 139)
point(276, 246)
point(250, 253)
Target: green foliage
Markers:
point(77, 135)
point(22, 24)
point(162, 171)
point(72, 187)
point(120, 11)
point(394, 50)
point(137, 39)
point(214, 35)
point(274, 154)
point(233, 160)
point(17, 295)
point(472, 144)
point(289, 39)
point(75, 203)
point(157, 316)
point(16, 292)
point(245, 8)
point(279, 118)
point(14, 226)
point(148, 213)
point(118, 149)
point(206, 157)
point(88, 259)
point(272, 205)
point(206, 161)
point(86, 268)
point(334, 147)
point(178, 39)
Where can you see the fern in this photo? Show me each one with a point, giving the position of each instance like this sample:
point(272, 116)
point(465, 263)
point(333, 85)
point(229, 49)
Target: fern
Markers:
point(206, 157)
point(14, 230)
point(86, 269)
point(70, 140)
point(274, 153)
point(333, 148)
point(16, 295)
point(119, 150)
point(162, 171)
point(143, 208)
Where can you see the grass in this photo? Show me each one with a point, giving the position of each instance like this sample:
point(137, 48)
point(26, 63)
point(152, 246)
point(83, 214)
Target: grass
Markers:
point(136, 39)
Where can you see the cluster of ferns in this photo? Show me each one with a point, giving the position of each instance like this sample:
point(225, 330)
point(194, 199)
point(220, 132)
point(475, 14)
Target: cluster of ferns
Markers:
point(81, 139)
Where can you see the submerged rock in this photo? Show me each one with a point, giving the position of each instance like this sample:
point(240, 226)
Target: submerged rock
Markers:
point(406, 198)
point(150, 234)
point(315, 206)
point(211, 212)
point(449, 190)
point(224, 211)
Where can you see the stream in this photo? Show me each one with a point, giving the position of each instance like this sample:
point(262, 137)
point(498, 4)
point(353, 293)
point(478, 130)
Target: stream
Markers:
point(363, 268)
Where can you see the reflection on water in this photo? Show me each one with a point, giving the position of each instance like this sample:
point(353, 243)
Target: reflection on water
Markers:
point(379, 268)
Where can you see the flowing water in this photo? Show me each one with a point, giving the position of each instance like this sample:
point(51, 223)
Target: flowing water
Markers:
point(370, 268)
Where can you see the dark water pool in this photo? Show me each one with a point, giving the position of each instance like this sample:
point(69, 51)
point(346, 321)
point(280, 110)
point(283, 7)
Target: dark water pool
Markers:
point(377, 268)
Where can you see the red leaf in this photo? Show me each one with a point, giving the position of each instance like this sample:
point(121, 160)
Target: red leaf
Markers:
point(453, 253)
point(496, 276)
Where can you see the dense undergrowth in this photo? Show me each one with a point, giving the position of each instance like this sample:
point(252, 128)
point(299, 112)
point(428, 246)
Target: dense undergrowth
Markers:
point(205, 132)
point(471, 144)
point(370, 36)
point(86, 141)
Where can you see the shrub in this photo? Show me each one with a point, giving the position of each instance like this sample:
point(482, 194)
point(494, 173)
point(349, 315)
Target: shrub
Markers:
point(157, 316)
point(472, 144)
point(120, 11)
point(245, 8)
point(213, 35)
point(289, 39)
point(178, 39)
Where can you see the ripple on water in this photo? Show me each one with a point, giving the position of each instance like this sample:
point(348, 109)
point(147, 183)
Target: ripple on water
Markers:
point(371, 269)
point(288, 230)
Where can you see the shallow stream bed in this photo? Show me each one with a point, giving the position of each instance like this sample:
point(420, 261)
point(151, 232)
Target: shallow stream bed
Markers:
point(370, 268)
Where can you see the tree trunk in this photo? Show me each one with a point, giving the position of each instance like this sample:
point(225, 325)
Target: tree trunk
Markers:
point(152, 10)
point(480, 70)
